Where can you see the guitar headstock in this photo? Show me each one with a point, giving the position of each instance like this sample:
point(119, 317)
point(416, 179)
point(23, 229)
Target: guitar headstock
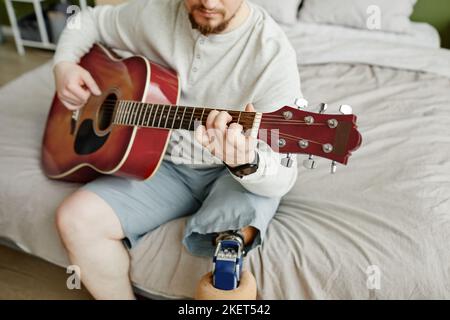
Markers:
point(331, 136)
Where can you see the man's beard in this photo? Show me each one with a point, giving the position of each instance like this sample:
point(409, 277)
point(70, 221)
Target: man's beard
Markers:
point(206, 29)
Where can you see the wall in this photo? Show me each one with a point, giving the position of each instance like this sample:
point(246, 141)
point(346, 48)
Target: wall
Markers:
point(437, 13)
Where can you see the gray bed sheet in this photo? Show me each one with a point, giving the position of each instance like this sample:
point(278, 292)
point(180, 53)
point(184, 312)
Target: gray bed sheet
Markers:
point(388, 210)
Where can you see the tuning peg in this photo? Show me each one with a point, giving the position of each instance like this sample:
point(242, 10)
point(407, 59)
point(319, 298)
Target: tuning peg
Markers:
point(301, 103)
point(287, 162)
point(345, 109)
point(323, 107)
point(333, 167)
point(310, 163)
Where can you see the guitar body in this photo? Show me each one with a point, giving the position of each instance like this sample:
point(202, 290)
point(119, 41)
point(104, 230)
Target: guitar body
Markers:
point(80, 146)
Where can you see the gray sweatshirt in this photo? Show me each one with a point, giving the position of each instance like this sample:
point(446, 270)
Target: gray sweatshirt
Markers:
point(254, 63)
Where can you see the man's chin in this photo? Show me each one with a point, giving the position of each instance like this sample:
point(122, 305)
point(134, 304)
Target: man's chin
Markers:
point(208, 26)
point(207, 22)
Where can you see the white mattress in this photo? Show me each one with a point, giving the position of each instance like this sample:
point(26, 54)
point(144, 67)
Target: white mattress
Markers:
point(389, 208)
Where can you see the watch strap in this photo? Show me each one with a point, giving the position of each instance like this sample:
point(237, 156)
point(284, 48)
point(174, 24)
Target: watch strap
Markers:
point(245, 169)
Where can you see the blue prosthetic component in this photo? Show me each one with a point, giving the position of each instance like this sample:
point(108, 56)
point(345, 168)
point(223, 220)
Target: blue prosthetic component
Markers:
point(227, 264)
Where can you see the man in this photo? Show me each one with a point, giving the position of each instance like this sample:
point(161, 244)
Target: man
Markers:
point(227, 53)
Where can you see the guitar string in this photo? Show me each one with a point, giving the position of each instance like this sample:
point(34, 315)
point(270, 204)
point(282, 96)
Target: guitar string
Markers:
point(114, 105)
point(284, 135)
point(141, 119)
point(248, 123)
point(245, 118)
point(274, 117)
point(243, 113)
point(267, 119)
point(296, 138)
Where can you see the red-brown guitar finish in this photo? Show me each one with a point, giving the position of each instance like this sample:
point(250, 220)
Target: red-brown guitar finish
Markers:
point(128, 151)
point(125, 131)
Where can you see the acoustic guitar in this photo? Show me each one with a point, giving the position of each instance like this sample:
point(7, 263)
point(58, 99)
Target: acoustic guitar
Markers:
point(125, 130)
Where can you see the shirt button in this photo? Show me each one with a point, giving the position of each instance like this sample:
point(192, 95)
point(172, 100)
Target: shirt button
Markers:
point(197, 56)
point(194, 69)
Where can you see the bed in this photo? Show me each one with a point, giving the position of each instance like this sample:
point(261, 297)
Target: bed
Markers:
point(386, 215)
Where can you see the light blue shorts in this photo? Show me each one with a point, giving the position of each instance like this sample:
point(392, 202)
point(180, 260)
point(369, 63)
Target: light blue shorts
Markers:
point(213, 200)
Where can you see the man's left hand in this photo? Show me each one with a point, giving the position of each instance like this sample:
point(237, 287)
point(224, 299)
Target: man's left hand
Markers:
point(227, 142)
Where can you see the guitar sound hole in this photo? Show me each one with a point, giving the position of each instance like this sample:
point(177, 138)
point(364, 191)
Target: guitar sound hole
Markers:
point(106, 112)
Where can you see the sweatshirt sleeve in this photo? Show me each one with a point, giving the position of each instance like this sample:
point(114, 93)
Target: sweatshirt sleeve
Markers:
point(277, 86)
point(114, 26)
point(272, 179)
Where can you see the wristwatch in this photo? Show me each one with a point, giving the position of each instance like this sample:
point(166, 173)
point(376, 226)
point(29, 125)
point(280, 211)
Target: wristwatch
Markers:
point(245, 169)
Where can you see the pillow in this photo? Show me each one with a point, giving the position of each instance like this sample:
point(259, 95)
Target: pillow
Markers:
point(284, 11)
point(381, 15)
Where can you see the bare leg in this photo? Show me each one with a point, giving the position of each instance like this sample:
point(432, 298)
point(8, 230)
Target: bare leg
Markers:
point(91, 234)
point(249, 233)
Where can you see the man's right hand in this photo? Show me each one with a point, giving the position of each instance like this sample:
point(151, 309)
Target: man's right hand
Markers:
point(74, 84)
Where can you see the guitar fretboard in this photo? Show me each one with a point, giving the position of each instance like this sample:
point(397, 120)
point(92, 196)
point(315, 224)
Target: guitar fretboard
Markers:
point(134, 113)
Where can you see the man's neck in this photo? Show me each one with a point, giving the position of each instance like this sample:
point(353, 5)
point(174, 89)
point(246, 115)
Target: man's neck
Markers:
point(240, 17)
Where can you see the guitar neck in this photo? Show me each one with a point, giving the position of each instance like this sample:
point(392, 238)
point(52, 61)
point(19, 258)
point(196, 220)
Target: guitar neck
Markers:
point(135, 113)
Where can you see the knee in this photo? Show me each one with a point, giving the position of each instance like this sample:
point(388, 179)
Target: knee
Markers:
point(74, 220)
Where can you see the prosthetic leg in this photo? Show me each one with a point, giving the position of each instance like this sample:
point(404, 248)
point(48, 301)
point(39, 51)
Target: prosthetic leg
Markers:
point(227, 281)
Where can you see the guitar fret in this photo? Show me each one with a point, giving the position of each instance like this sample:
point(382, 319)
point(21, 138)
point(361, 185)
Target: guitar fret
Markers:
point(174, 117)
point(168, 116)
point(154, 117)
point(161, 114)
point(133, 113)
point(182, 118)
point(150, 116)
point(192, 116)
point(201, 119)
point(146, 115)
point(127, 112)
point(144, 118)
point(144, 111)
point(122, 117)
point(139, 111)
point(256, 124)
point(122, 112)
point(130, 111)
point(160, 117)
point(186, 112)
point(196, 118)
point(117, 116)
